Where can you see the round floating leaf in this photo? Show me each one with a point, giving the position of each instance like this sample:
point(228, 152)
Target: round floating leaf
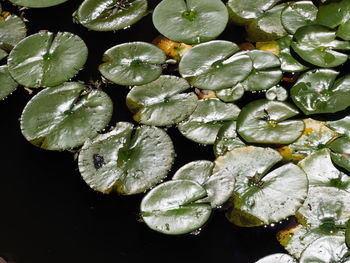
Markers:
point(227, 139)
point(134, 63)
point(259, 198)
point(12, 30)
point(7, 84)
point(162, 102)
point(277, 258)
point(45, 60)
point(264, 121)
point(107, 15)
point(171, 207)
point(190, 21)
point(231, 94)
point(342, 160)
point(325, 250)
point(214, 66)
point(321, 171)
point(198, 171)
point(65, 116)
point(318, 45)
point(342, 127)
point(340, 11)
point(205, 122)
point(243, 11)
point(317, 91)
point(288, 62)
point(298, 14)
point(316, 136)
point(268, 26)
point(219, 186)
point(38, 3)
point(266, 71)
point(277, 93)
point(126, 160)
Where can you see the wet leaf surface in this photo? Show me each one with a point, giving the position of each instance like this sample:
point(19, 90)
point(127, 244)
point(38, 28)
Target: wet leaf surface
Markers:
point(38, 3)
point(12, 30)
point(7, 84)
point(277, 258)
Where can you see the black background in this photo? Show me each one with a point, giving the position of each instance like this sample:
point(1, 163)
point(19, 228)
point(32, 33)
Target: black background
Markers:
point(48, 214)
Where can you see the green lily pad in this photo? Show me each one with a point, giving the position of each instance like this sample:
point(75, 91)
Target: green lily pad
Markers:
point(227, 139)
point(264, 121)
point(3, 54)
point(277, 258)
point(171, 208)
point(65, 116)
point(342, 127)
point(7, 83)
point(268, 26)
point(298, 14)
point(46, 60)
point(340, 11)
point(12, 31)
point(318, 91)
point(341, 159)
point(214, 65)
point(258, 196)
point(318, 45)
point(325, 250)
point(126, 160)
point(243, 11)
point(266, 71)
point(134, 63)
point(162, 102)
point(288, 62)
point(316, 136)
point(107, 15)
point(205, 122)
point(219, 186)
point(190, 21)
point(38, 3)
point(231, 94)
point(347, 234)
point(277, 93)
point(321, 171)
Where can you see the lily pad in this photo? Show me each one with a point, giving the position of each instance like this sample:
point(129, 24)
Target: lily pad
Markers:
point(258, 196)
point(162, 102)
point(342, 127)
point(171, 207)
point(325, 250)
point(126, 160)
point(190, 21)
point(264, 121)
point(321, 171)
point(46, 60)
point(219, 186)
point(318, 91)
point(227, 139)
point(243, 11)
point(7, 83)
point(205, 122)
point(231, 94)
point(38, 3)
point(107, 15)
point(288, 62)
point(214, 65)
point(298, 14)
point(65, 116)
point(134, 63)
point(316, 136)
point(277, 93)
point(318, 45)
point(340, 11)
point(277, 258)
point(266, 71)
point(12, 30)
point(268, 26)
point(341, 159)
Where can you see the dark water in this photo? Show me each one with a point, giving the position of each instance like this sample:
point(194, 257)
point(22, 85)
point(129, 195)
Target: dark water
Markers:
point(49, 215)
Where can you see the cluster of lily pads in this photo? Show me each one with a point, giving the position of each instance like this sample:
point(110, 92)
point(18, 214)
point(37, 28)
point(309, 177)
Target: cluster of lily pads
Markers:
point(272, 160)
